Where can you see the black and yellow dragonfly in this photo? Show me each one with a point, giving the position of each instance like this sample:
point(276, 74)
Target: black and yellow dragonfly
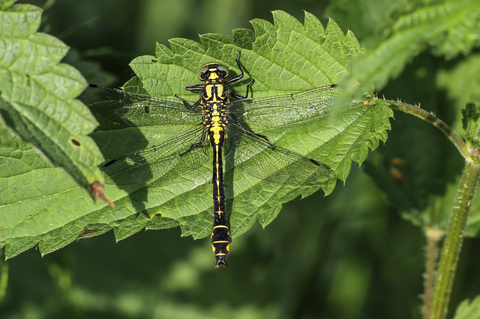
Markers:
point(219, 128)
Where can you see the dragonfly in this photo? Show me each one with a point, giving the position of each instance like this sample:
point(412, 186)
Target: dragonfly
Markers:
point(219, 127)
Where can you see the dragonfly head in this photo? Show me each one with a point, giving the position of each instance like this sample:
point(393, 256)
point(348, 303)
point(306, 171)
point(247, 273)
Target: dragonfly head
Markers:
point(212, 70)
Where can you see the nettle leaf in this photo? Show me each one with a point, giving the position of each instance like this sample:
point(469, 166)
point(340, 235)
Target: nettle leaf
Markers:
point(38, 96)
point(470, 124)
point(284, 57)
point(451, 26)
point(4, 4)
point(7, 139)
point(468, 309)
point(36, 201)
point(92, 71)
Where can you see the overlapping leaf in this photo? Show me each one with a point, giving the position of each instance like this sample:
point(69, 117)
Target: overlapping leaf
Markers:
point(39, 95)
point(468, 309)
point(451, 26)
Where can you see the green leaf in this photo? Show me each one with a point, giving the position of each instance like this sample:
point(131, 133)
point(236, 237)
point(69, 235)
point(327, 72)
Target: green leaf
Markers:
point(7, 138)
point(284, 57)
point(451, 26)
point(38, 96)
point(468, 309)
point(92, 71)
point(4, 4)
point(463, 33)
point(470, 123)
point(462, 82)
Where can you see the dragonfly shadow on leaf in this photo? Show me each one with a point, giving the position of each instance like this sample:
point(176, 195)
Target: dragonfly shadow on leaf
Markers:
point(115, 135)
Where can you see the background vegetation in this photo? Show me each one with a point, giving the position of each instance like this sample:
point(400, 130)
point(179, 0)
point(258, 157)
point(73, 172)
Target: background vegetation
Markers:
point(348, 255)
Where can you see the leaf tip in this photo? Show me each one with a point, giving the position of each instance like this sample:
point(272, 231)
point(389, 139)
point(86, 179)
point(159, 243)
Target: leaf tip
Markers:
point(98, 193)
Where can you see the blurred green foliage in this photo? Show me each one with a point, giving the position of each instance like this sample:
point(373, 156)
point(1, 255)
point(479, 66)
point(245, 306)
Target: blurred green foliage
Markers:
point(349, 255)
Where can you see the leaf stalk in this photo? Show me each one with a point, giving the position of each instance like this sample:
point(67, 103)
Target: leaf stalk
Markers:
point(432, 119)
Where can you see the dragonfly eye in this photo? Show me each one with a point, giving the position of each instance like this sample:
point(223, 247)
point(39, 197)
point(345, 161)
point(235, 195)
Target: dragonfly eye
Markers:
point(202, 74)
point(223, 71)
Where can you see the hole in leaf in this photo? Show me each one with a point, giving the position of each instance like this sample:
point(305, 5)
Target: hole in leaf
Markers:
point(75, 142)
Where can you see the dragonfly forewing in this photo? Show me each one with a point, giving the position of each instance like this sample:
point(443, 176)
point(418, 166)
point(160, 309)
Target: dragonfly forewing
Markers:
point(279, 111)
point(174, 157)
point(138, 110)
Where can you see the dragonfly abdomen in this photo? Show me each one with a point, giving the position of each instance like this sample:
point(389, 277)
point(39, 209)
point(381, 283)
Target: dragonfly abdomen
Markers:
point(220, 238)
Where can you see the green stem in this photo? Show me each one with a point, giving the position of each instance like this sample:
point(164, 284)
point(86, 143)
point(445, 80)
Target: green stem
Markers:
point(433, 236)
point(453, 242)
point(429, 117)
point(3, 278)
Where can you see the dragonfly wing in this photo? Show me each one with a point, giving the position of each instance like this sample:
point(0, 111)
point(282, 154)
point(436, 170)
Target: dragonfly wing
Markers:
point(264, 160)
point(138, 110)
point(285, 110)
point(171, 158)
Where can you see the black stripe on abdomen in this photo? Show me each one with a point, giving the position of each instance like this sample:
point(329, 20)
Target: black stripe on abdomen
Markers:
point(220, 238)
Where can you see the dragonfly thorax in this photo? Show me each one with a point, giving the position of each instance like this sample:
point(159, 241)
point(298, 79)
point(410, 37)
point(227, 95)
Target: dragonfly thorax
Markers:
point(215, 97)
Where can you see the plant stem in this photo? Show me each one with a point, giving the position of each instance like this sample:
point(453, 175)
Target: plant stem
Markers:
point(453, 242)
point(433, 236)
point(429, 117)
point(3, 277)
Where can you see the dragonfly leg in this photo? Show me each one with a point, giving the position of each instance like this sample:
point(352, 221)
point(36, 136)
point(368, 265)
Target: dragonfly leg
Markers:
point(241, 97)
point(249, 87)
point(196, 87)
point(240, 76)
point(186, 103)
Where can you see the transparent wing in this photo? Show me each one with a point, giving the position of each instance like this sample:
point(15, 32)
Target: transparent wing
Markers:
point(171, 158)
point(285, 110)
point(264, 160)
point(139, 110)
